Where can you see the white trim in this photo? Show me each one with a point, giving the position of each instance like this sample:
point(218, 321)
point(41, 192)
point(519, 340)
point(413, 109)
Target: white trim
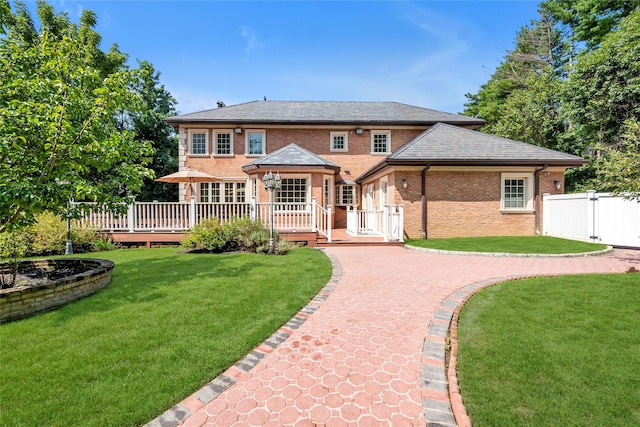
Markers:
point(384, 191)
point(190, 134)
point(528, 192)
point(248, 133)
point(381, 132)
point(216, 132)
point(344, 134)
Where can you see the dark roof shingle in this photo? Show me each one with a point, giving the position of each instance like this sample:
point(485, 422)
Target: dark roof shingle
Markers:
point(291, 155)
point(324, 112)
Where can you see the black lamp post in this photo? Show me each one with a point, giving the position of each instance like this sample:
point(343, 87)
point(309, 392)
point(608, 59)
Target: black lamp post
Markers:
point(271, 183)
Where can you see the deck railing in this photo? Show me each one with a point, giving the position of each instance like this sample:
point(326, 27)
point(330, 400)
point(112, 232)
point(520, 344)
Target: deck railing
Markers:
point(387, 222)
point(181, 216)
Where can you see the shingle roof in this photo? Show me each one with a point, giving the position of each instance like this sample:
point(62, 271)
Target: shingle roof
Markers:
point(323, 112)
point(291, 156)
point(449, 145)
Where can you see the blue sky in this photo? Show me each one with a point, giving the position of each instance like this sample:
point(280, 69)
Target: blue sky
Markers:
point(425, 53)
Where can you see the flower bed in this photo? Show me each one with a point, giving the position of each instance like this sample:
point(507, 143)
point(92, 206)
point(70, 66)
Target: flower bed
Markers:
point(40, 293)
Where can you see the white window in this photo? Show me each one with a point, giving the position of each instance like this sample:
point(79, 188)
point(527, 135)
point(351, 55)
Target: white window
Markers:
point(380, 142)
point(327, 192)
point(346, 195)
point(223, 143)
point(198, 142)
point(223, 192)
point(256, 141)
point(516, 192)
point(339, 141)
point(293, 194)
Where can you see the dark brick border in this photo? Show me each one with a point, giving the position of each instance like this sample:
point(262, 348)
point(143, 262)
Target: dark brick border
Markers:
point(179, 413)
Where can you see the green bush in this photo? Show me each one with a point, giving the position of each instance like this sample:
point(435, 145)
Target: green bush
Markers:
point(239, 234)
point(47, 236)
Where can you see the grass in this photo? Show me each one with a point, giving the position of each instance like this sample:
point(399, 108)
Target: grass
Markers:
point(552, 351)
point(508, 244)
point(167, 324)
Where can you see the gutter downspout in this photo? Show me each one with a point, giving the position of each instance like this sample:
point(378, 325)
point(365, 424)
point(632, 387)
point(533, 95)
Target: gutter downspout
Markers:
point(537, 197)
point(423, 197)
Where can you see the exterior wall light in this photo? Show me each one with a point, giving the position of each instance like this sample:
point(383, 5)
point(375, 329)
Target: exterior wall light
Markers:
point(405, 183)
point(359, 131)
point(557, 183)
point(238, 130)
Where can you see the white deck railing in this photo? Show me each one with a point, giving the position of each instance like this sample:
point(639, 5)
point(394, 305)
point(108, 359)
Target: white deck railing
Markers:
point(181, 216)
point(387, 222)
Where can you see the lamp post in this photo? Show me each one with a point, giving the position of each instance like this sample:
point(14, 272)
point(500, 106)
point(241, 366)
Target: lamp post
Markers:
point(271, 184)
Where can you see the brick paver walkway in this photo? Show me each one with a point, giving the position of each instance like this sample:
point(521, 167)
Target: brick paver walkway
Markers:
point(368, 350)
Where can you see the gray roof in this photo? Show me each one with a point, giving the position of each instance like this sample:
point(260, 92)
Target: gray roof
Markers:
point(323, 112)
point(449, 145)
point(291, 156)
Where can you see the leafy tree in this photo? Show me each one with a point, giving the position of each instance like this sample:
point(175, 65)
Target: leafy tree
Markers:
point(538, 49)
point(149, 125)
point(603, 92)
point(618, 168)
point(589, 21)
point(59, 99)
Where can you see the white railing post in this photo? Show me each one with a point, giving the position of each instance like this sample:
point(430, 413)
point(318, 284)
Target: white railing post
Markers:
point(329, 222)
point(253, 209)
point(192, 212)
point(131, 216)
point(314, 226)
point(385, 223)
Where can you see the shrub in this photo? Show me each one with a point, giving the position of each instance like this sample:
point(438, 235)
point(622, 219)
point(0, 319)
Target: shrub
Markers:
point(240, 233)
point(47, 236)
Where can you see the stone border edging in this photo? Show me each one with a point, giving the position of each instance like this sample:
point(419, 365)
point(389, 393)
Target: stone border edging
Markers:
point(180, 412)
point(442, 401)
point(20, 302)
point(507, 254)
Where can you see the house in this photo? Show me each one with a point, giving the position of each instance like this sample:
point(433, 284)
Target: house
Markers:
point(357, 160)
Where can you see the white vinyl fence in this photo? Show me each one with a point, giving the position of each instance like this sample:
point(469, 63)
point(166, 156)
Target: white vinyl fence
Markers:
point(592, 217)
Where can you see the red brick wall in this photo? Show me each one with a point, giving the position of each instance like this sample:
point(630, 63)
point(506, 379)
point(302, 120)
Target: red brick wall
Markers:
point(461, 204)
point(356, 161)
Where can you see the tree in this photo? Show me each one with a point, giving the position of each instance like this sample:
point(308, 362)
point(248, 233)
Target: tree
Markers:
point(603, 92)
point(59, 99)
point(589, 21)
point(538, 49)
point(149, 125)
point(618, 168)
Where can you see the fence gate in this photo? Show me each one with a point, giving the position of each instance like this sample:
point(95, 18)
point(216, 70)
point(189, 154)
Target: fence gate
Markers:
point(592, 217)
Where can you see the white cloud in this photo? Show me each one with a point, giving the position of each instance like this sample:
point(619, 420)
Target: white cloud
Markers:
point(250, 38)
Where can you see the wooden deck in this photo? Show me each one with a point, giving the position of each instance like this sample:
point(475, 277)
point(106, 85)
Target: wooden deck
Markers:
point(309, 238)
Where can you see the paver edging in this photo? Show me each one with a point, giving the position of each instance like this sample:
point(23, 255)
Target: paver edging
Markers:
point(506, 254)
point(179, 413)
point(461, 296)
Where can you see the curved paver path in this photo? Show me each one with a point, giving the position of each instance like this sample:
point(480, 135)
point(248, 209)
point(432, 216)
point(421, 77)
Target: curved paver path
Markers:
point(359, 354)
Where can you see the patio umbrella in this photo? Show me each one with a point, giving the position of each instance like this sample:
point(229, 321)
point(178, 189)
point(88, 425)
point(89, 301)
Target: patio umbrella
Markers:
point(188, 175)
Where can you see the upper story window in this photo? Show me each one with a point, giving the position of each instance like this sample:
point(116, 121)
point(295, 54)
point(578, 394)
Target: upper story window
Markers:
point(516, 192)
point(339, 141)
point(380, 142)
point(256, 141)
point(223, 142)
point(198, 142)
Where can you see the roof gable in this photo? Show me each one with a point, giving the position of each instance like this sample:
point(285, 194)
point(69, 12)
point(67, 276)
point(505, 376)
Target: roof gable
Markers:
point(324, 112)
point(291, 156)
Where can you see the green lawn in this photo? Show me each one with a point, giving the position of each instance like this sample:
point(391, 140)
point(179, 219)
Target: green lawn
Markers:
point(167, 324)
point(554, 351)
point(508, 244)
